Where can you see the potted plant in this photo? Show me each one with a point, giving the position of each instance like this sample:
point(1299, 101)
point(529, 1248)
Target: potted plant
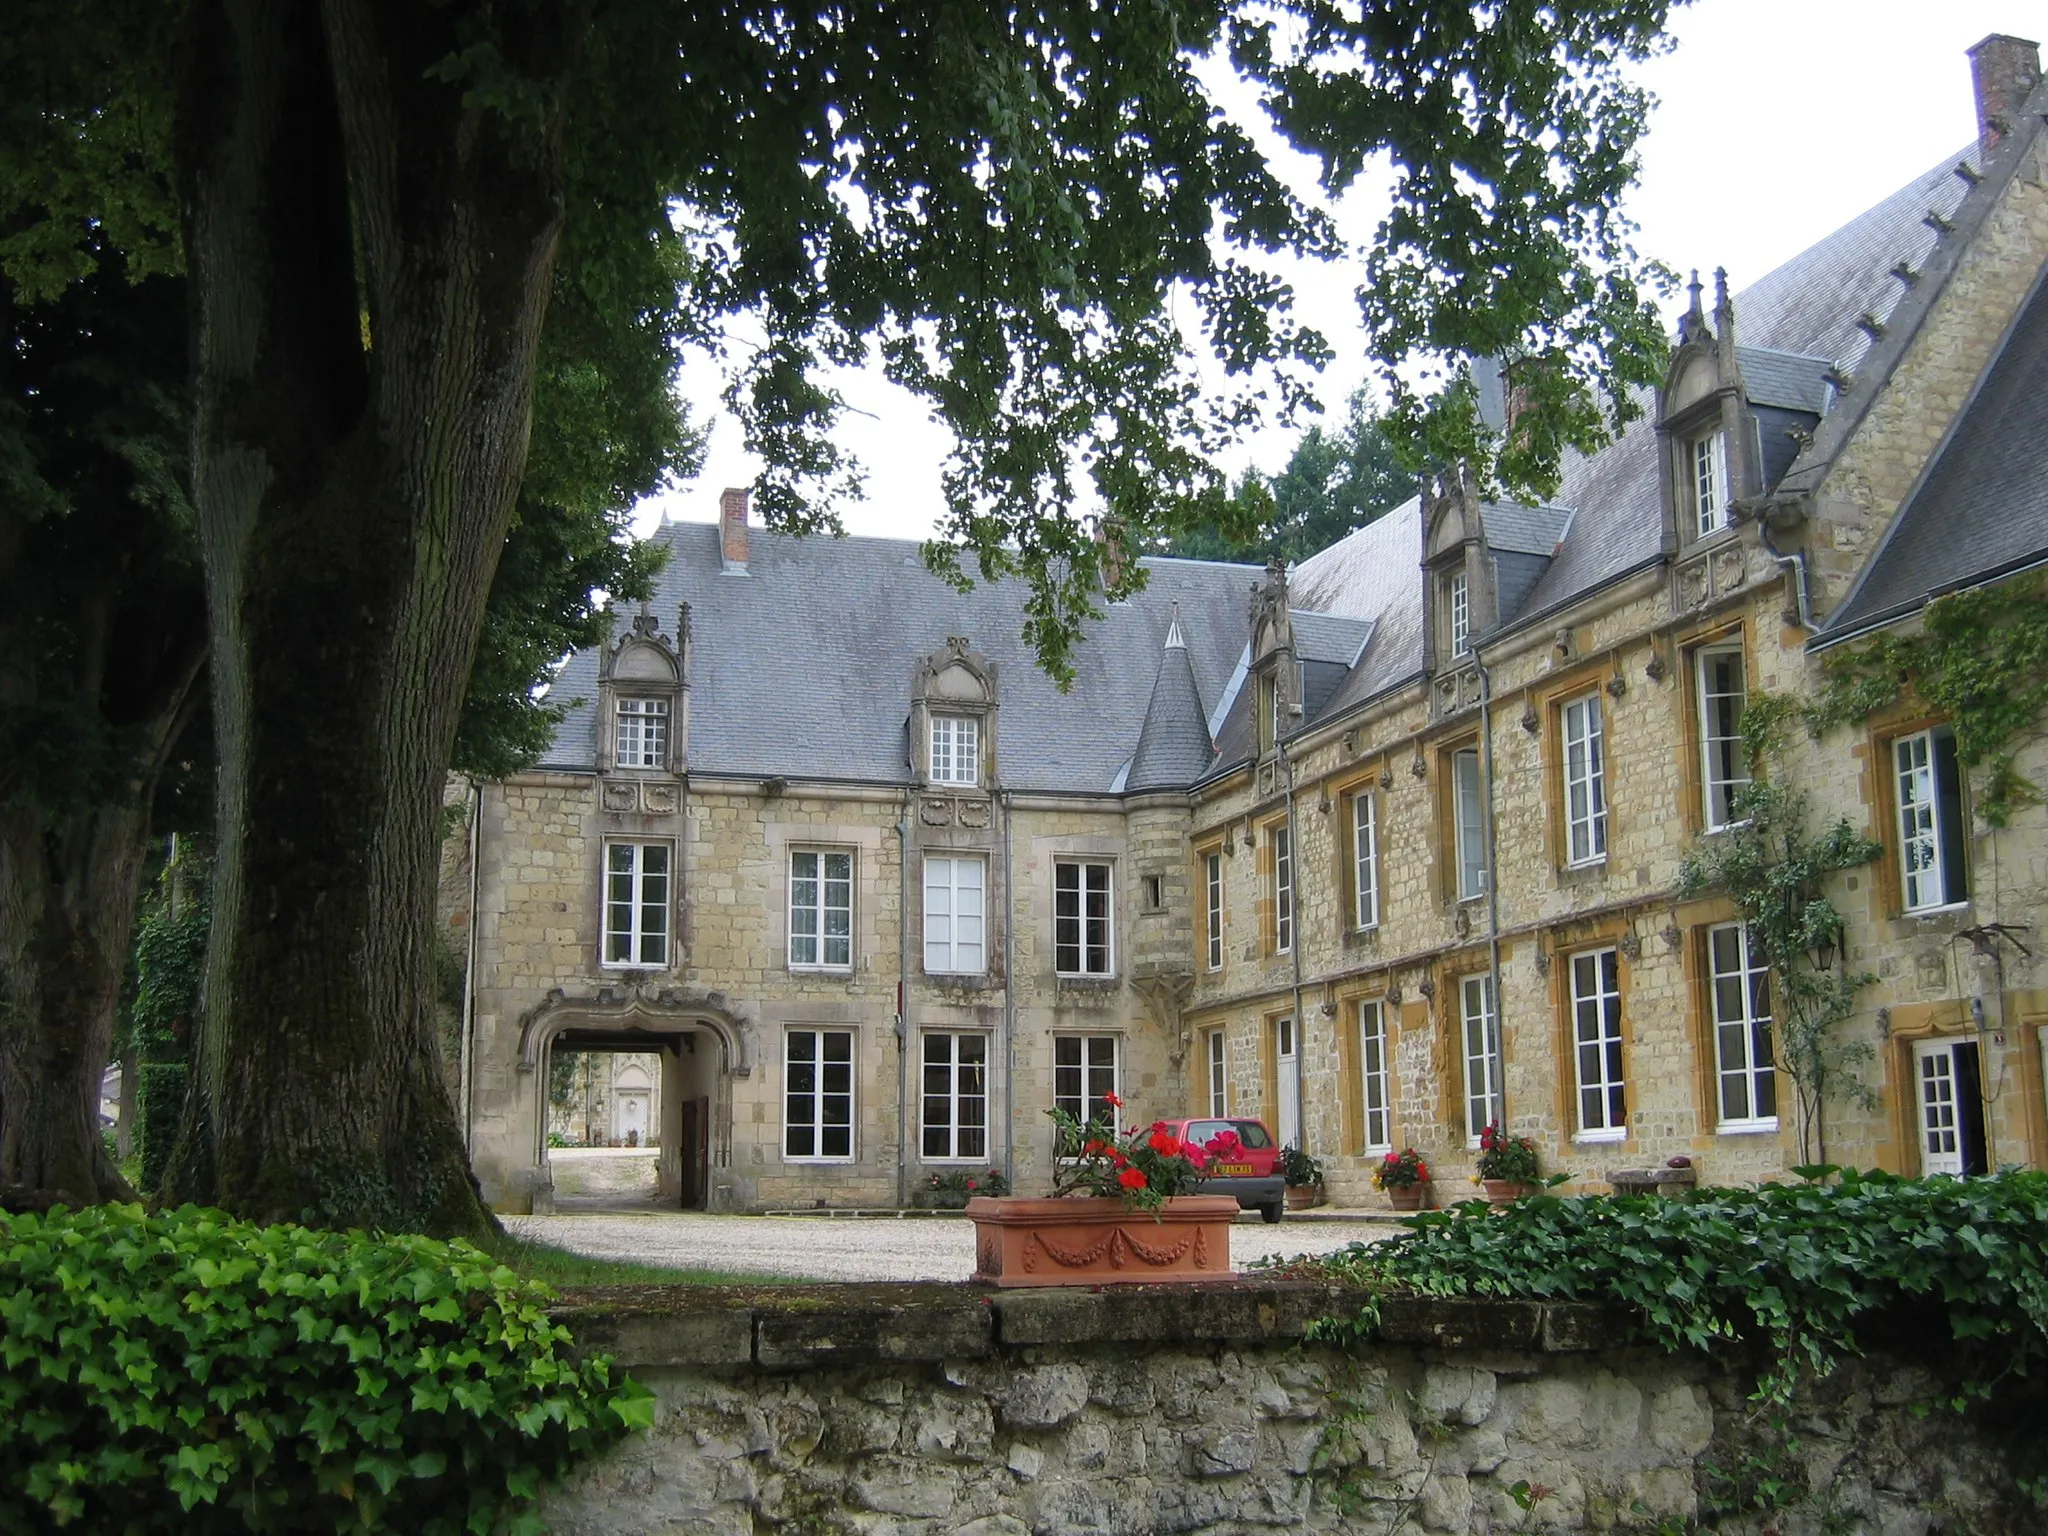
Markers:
point(1507, 1165)
point(1405, 1178)
point(1120, 1212)
point(1304, 1177)
point(950, 1191)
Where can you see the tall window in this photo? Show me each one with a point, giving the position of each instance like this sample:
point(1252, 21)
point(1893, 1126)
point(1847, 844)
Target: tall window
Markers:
point(642, 733)
point(817, 1095)
point(1585, 782)
point(1482, 1056)
point(1283, 889)
point(1930, 795)
point(955, 1095)
point(955, 937)
point(1365, 862)
point(1725, 764)
point(1084, 1075)
point(1469, 813)
point(636, 903)
point(821, 909)
point(1080, 919)
point(1461, 613)
point(1212, 883)
point(1376, 1085)
point(1707, 459)
point(1742, 1030)
point(1596, 1026)
point(1219, 1073)
point(956, 749)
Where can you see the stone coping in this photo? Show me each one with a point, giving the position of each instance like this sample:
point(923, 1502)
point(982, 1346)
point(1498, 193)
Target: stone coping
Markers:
point(798, 1327)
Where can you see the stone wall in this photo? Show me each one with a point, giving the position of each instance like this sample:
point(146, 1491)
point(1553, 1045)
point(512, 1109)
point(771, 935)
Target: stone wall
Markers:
point(907, 1410)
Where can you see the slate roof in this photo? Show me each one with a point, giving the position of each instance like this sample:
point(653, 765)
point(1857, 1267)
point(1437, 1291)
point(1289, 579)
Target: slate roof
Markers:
point(1784, 379)
point(1326, 637)
point(1525, 530)
point(1173, 743)
point(802, 668)
point(1981, 508)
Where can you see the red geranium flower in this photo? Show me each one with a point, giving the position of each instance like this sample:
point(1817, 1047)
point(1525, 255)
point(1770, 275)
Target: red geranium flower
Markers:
point(1112, 1101)
point(1131, 1178)
point(972, 1185)
point(1194, 1155)
point(1165, 1143)
point(1116, 1158)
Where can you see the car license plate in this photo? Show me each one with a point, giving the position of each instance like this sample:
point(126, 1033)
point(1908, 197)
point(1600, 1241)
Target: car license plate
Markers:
point(1230, 1170)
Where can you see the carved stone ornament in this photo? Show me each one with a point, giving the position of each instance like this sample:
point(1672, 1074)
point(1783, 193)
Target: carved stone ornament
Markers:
point(1654, 669)
point(1631, 946)
point(661, 799)
point(1461, 922)
point(662, 1010)
point(1427, 987)
point(1692, 584)
point(1542, 962)
point(1531, 721)
point(1323, 804)
point(972, 813)
point(1419, 767)
point(935, 811)
point(1394, 995)
point(621, 795)
point(1617, 686)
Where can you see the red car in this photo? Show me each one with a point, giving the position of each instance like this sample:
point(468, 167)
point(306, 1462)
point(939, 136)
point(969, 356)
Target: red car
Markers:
point(1250, 1170)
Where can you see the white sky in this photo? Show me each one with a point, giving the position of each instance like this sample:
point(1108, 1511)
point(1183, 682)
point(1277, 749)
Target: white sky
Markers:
point(1823, 107)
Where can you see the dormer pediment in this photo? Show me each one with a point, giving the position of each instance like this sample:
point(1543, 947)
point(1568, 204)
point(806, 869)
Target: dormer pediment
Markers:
point(1449, 529)
point(1695, 376)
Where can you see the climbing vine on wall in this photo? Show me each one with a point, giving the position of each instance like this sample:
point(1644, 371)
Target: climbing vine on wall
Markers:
point(1776, 873)
point(1981, 658)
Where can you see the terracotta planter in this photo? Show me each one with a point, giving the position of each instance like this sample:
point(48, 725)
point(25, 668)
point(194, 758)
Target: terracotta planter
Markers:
point(1409, 1197)
point(1302, 1196)
point(1505, 1191)
point(1096, 1241)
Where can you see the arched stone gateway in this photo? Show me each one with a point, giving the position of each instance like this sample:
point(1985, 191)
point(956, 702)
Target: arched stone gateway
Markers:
point(702, 1039)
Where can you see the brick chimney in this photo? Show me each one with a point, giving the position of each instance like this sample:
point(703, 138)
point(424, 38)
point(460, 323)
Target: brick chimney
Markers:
point(2004, 71)
point(732, 529)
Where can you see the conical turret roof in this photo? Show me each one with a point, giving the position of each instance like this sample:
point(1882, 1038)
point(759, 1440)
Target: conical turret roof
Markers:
point(1174, 749)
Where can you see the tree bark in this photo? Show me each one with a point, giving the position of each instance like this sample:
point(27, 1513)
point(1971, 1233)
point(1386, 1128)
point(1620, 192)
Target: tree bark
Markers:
point(352, 502)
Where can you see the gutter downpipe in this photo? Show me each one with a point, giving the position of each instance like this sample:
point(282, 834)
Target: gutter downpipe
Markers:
point(1794, 565)
point(1492, 885)
point(903, 1005)
point(466, 1068)
point(1009, 1007)
point(1294, 953)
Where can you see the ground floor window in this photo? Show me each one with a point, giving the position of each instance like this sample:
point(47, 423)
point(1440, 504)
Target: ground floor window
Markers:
point(1746, 1073)
point(955, 1095)
point(1950, 1107)
point(636, 880)
point(1481, 1032)
point(1376, 1080)
point(817, 1096)
point(1219, 1077)
point(1084, 1075)
point(1596, 1030)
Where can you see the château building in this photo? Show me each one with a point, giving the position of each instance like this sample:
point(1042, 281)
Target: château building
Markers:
point(1383, 848)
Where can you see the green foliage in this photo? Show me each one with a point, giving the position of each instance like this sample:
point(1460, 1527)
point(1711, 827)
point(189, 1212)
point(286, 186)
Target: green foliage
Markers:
point(950, 1191)
point(159, 1102)
point(1797, 1267)
point(170, 962)
point(1299, 1169)
point(1776, 873)
point(1981, 658)
point(1512, 1158)
point(186, 1372)
point(1144, 1166)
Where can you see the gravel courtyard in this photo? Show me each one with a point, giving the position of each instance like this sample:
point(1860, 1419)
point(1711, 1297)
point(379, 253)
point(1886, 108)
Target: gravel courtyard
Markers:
point(853, 1248)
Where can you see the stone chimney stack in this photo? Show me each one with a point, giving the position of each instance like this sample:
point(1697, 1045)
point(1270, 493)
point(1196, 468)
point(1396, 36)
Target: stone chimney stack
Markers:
point(2004, 71)
point(732, 530)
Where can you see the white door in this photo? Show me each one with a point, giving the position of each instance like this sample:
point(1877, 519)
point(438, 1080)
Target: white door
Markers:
point(1289, 1128)
point(1941, 1144)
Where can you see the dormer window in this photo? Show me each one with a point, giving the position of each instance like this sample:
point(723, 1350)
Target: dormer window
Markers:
point(956, 749)
point(1707, 465)
point(642, 739)
point(1458, 596)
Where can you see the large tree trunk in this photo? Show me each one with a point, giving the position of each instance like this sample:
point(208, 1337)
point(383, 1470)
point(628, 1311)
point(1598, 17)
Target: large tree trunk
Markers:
point(352, 505)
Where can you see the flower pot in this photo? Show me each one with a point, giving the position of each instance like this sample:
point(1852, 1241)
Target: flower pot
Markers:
point(1301, 1196)
point(1504, 1191)
point(1097, 1241)
point(1408, 1197)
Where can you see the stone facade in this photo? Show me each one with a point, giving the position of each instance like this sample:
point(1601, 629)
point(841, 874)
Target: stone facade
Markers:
point(1067, 1414)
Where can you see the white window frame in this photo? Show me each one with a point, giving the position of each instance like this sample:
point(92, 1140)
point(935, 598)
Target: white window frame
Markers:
point(1724, 766)
point(1479, 1031)
point(1596, 1046)
point(963, 1094)
point(1468, 823)
point(1376, 1078)
point(1706, 471)
point(640, 731)
point(829, 951)
point(1746, 986)
point(1089, 935)
point(1585, 781)
point(955, 749)
point(642, 911)
point(1083, 1082)
point(1459, 600)
point(1927, 838)
point(1217, 1055)
point(827, 1067)
point(1365, 861)
point(1212, 882)
point(950, 953)
point(1283, 888)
